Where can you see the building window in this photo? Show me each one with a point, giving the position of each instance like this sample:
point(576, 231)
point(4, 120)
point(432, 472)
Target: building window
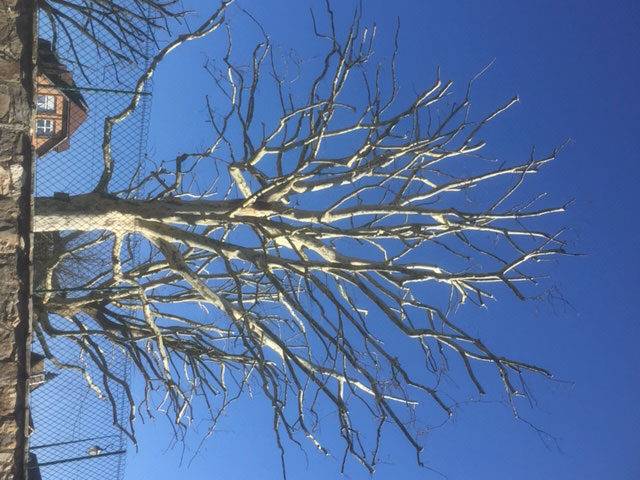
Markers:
point(44, 128)
point(46, 103)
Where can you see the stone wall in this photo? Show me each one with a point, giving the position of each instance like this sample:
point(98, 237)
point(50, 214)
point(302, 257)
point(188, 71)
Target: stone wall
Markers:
point(16, 100)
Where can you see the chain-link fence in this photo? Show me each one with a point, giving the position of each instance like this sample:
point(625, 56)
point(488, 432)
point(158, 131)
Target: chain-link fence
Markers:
point(73, 436)
point(75, 405)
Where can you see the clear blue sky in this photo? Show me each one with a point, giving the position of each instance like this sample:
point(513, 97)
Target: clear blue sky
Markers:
point(575, 65)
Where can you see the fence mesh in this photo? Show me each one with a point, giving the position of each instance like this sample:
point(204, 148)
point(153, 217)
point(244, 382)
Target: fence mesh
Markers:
point(73, 433)
point(73, 409)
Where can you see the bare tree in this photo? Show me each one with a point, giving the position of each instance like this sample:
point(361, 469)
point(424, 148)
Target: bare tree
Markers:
point(326, 246)
point(119, 30)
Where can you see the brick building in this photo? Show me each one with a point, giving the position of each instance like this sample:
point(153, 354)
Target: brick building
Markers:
point(60, 107)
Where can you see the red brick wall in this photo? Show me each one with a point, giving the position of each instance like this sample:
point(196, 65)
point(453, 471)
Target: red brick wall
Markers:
point(57, 116)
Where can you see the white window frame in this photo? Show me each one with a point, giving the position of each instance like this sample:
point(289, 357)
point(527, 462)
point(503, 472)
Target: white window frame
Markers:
point(44, 127)
point(46, 103)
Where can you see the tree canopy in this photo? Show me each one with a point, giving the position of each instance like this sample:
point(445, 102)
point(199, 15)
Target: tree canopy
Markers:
point(319, 257)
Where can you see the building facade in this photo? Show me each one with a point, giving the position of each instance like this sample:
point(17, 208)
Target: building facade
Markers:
point(60, 107)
